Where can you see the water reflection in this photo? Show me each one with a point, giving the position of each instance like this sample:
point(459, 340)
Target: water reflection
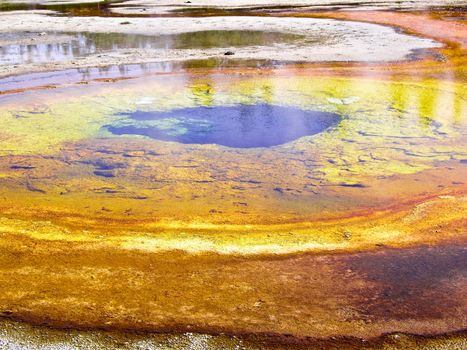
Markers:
point(82, 44)
point(239, 126)
point(48, 79)
point(124, 8)
point(388, 132)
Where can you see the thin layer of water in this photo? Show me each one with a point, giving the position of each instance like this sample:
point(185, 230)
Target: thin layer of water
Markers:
point(58, 47)
point(122, 8)
point(390, 130)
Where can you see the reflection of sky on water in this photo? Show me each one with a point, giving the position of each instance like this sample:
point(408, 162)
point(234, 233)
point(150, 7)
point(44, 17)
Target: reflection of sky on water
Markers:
point(239, 126)
point(78, 46)
point(80, 74)
point(83, 44)
point(391, 129)
point(46, 52)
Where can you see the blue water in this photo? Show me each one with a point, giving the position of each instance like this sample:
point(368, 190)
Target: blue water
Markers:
point(239, 126)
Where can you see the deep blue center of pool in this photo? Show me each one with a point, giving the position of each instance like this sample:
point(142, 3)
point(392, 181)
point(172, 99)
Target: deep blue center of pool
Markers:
point(239, 126)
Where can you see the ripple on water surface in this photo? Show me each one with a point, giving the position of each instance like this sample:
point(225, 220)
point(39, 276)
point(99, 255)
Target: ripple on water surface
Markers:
point(234, 148)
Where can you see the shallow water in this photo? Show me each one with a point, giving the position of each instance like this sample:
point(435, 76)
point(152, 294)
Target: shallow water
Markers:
point(122, 8)
point(429, 278)
point(75, 45)
point(334, 133)
point(281, 206)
